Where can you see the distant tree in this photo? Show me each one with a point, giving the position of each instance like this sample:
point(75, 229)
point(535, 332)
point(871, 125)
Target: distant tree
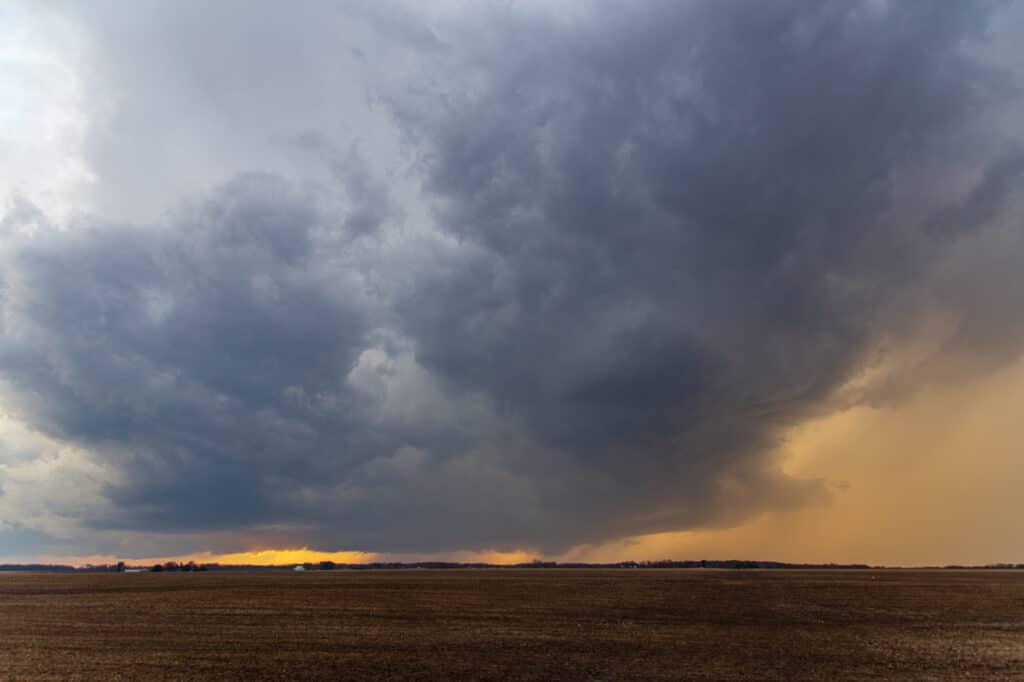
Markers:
point(326, 565)
point(157, 568)
point(120, 567)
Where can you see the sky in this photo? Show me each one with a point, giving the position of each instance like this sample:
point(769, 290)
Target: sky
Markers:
point(497, 280)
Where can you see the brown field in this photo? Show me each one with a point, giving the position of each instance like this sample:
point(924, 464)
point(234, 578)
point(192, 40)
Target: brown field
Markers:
point(512, 625)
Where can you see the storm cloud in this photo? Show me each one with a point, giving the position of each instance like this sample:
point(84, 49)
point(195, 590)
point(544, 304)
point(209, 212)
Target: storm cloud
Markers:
point(362, 276)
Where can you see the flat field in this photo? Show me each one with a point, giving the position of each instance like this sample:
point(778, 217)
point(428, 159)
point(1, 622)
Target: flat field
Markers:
point(513, 625)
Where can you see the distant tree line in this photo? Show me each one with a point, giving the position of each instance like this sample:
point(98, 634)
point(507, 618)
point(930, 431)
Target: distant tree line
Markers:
point(38, 568)
point(172, 566)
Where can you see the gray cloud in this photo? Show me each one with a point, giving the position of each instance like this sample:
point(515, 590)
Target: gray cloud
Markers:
point(687, 239)
point(576, 287)
point(18, 540)
point(177, 350)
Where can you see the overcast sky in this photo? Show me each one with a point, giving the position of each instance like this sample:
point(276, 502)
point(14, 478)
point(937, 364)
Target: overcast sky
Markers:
point(582, 279)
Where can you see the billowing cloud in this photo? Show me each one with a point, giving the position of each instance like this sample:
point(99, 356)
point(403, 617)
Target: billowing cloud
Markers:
point(381, 278)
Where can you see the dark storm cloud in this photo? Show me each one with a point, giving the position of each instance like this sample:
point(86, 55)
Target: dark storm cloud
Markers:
point(683, 220)
point(667, 234)
point(180, 353)
point(984, 202)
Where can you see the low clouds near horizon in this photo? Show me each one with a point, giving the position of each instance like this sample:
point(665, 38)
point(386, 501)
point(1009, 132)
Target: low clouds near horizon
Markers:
point(526, 276)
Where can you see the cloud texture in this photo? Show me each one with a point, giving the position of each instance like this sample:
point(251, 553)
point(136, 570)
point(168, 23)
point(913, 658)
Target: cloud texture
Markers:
point(505, 276)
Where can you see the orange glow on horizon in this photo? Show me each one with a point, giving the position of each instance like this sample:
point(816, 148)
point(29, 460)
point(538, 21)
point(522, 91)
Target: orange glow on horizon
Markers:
point(275, 557)
point(264, 557)
point(300, 555)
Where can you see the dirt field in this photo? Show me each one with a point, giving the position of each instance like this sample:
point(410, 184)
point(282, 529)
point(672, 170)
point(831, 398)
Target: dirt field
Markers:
point(510, 625)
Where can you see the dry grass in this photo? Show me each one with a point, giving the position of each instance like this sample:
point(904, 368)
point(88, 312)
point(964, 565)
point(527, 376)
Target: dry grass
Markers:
point(509, 625)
